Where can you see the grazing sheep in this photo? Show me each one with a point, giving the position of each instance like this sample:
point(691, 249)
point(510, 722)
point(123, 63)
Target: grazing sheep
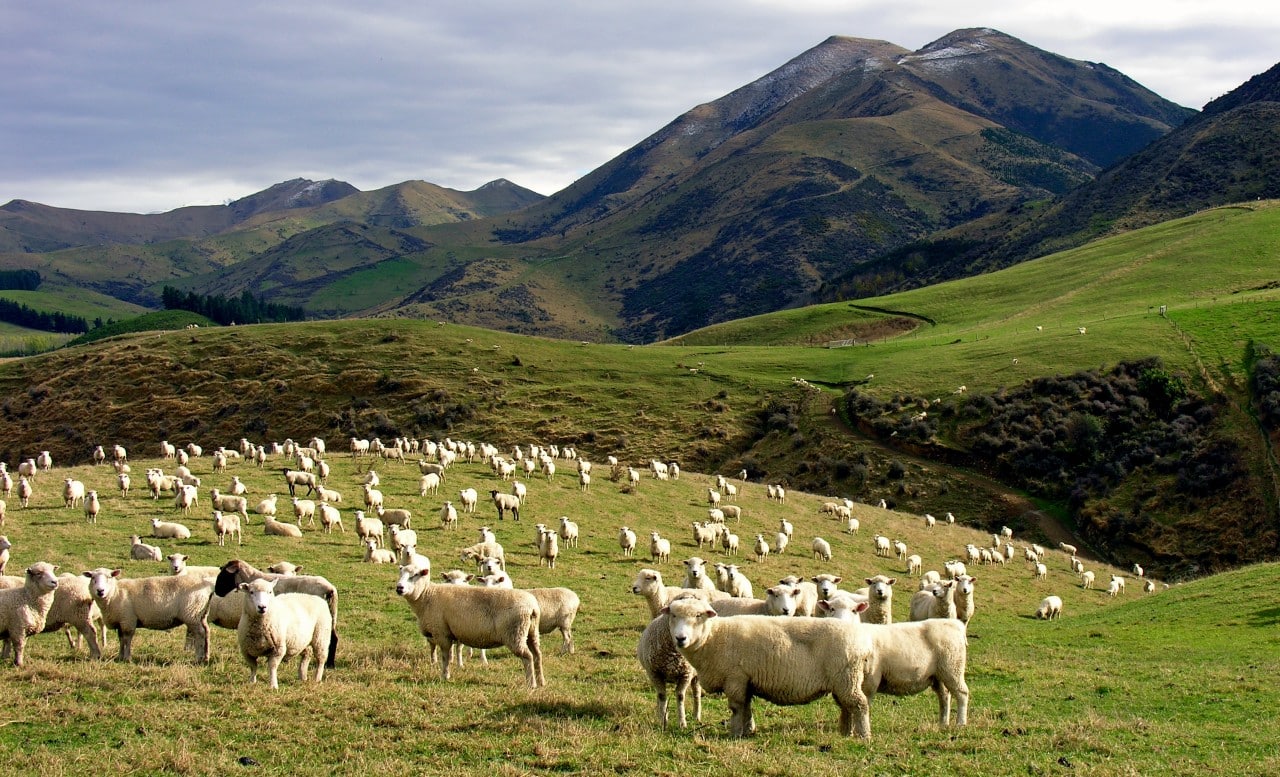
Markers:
point(375, 555)
point(24, 610)
point(659, 548)
point(159, 603)
point(476, 617)
point(879, 593)
point(279, 627)
point(783, 660)
point(167, 530)
point(731, 511)
point(1070, 550)
point(821, 549)
point(664, 666)
point(141, 551)
point(627, 541)
point(276, 528)
point(907, 658)
point(483, 550)
point(937, 601)
point(235, 572)
point(505, 502)
point(1050, 608)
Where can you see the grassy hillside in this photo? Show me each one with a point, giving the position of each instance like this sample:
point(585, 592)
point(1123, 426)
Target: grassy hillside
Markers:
point(74, 301)
point(1178, 682)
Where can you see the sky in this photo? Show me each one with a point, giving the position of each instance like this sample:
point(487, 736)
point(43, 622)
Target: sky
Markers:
point(151, 105)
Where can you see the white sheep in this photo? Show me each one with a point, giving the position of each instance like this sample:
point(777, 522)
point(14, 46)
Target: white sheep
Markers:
point(375, 555)
point(826, 585)
point(882, 545)
point(72, 609)
point(1116, 586)
point(92, 507)
point(1138, 571)
point(468, 498)
point(761, 548)
point(729, 542)
point(907, 658)
point(236, 571)
point(429, 484)
point(5, 546)
point(23, 610)
point(914, 564)
point(160, 603)
point(1050, 608)
point(879, 593)
point(937, 601)
point(664, 666)
point(141, 551)
point(286, 568)
point(279, 627)
point(276, 528)
point(548, 548)
point(648, 584)
point(330, 517)
point(731, 511)
point(178, 566)
point(695, 575)
point(186, 497)
point(25, 491)
point(1149, 586)
point(1041, 571)
point(476, 617)
point(396, 516)
point(783, 660)
point(843, 606)
point(167, 530)
point(821, 549)
point(964, 598)
point(568, 532)
point(627, 541)
point(659, 548)
point(267, 506)
point(1086, 579)
point(368, 527)
point(780, 542)
point(738, 585)
point(483, 550)
point(72, 493)
point(1070, 550)
point(900, 549)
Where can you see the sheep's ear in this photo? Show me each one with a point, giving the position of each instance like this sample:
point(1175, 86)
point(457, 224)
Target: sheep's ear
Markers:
point(87, 574)
point(665, 611)
point(869, 581)
point(824, 605)
point(838, 579)
point(243, 586)
point(860, 606)
point(709, 612)
point(893, 580)
point(116, 572)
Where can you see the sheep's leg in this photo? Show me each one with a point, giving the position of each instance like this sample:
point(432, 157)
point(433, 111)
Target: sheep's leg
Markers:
point(126, 645)
point(90, 635)
point(855, 711)
point(524, 649)
point(661, 688)
point(199, 634)
point(273, 669)
point(740, 719)
point(961, 690)
point(567, 645)
point(304, 661)
point(252, 661)
point(697, 702)
point(447, 649)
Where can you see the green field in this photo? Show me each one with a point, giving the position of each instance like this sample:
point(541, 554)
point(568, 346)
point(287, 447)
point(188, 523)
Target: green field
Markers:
point(1178, 682)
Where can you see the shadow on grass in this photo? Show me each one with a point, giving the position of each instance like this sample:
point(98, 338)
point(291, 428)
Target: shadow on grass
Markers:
point(1267, 617)
point(560, 710)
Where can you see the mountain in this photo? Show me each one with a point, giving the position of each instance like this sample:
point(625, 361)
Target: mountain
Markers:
point(751, 202)
point(1228, 153)
point(30, 227)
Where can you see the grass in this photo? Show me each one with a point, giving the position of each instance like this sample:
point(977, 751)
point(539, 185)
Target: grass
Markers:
point(75, 301)
point(1175, 683)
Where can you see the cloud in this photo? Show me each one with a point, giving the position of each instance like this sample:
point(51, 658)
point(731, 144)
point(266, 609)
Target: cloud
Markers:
point(152, 105)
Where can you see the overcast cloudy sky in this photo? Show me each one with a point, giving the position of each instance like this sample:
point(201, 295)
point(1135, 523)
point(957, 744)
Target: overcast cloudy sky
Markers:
point(154, 104)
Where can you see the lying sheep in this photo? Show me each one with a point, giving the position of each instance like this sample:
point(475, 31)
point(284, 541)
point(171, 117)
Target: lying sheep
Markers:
point(907, 658)
point(236, 571)
point(275, 528)
point(783, 660)
point(287, 568)
point(141, 551)
point(152, 603)
point(178, 566)
point(664, 666)
point(375, 555)
point(23, 611)
point(1050, 608)
point(476, 617)
point(267, 506)
point(279, 627)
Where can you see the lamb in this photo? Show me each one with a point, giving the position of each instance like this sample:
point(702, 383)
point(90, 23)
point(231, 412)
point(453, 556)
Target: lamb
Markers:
point(937, 601)
point(330, 517)
point(372, 497)
point(821, 549)
point(648, 583)
point(72, 608)
point(964, 598)
point(178, 566)
point(910, 657)
point(484, 550)
point(852, 526)
point(1040, 572)
point(761, 548)
point(279, 627)
point(659, 548)
point(23, 611)
point(152, 603)
point(914, 564)
point(729, 541)
point(276, 528)
point(448, 516)
point(267, 506)
point(664, 665)
point(141, 551)
point(235, 572)
point(1050, 608)
point(783, 660)
point(375, 555)
point(780, 542)
point(738, 585)
point(695, 575)
point(505, 502)
point(826, 585)
point(627, 541)
point(879, 593)
point(168, 530)
point(476, 617)
point(92, 508)
point(468, 498)
point(25, 491)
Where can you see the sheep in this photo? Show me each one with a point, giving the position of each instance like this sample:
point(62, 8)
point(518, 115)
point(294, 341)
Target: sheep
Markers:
point(761, 548)
point(448, 516)
point(328, 495)
point(879, 593)
point(627, 541)
point(648, 584)
point(72, 493)
point(964, 598)
point(738, 586)
point(704, 534)
point(844, 606)
point(400, 536)
point(235, 572)
point(468, 498)
point(372, 497)
point(779, 601)
point(44, 461)
point(914, 564)
point(731, 511)
point(937, 601)
point(92, 507)
point(782, 660)
point(487, 535)
point(25, 491)
point(821, 549)
point(806, 594)
point(141, 551)
point(852, 526)
point(1138, 571)
point(1086, 579)
point(907, 658)
point(568, 532)
point(1149, 586)
point(168, 530)
point(504, 502)
point(285, 568)
point(267, 506)
point(780, 542)
point(729, 541)
point(368, 527)
point(484, 550)
point(548, 548)
point(659, 548)
point(955, 569)
point(375, 555)
point(1070, 550)
point(396, 516)
point(826, 585)
point(715, 515)
point(428, 484)
point(882, 545)
point(1050, 608)
point(72, 608)
point(23, 611)
point(695, 575)
point(237, 488)
point(476, 617)
point(1040, 572)
point(329, 518)
point(178, 566)
point(231, 503)
point(276, 528)
point(1116, 586)
point(664, 665)
point(1077, 565)
point(279, 627)
point(713, 497)
point(159, 603)
point(900, 549)
point(929, 521)
point(5, 545)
